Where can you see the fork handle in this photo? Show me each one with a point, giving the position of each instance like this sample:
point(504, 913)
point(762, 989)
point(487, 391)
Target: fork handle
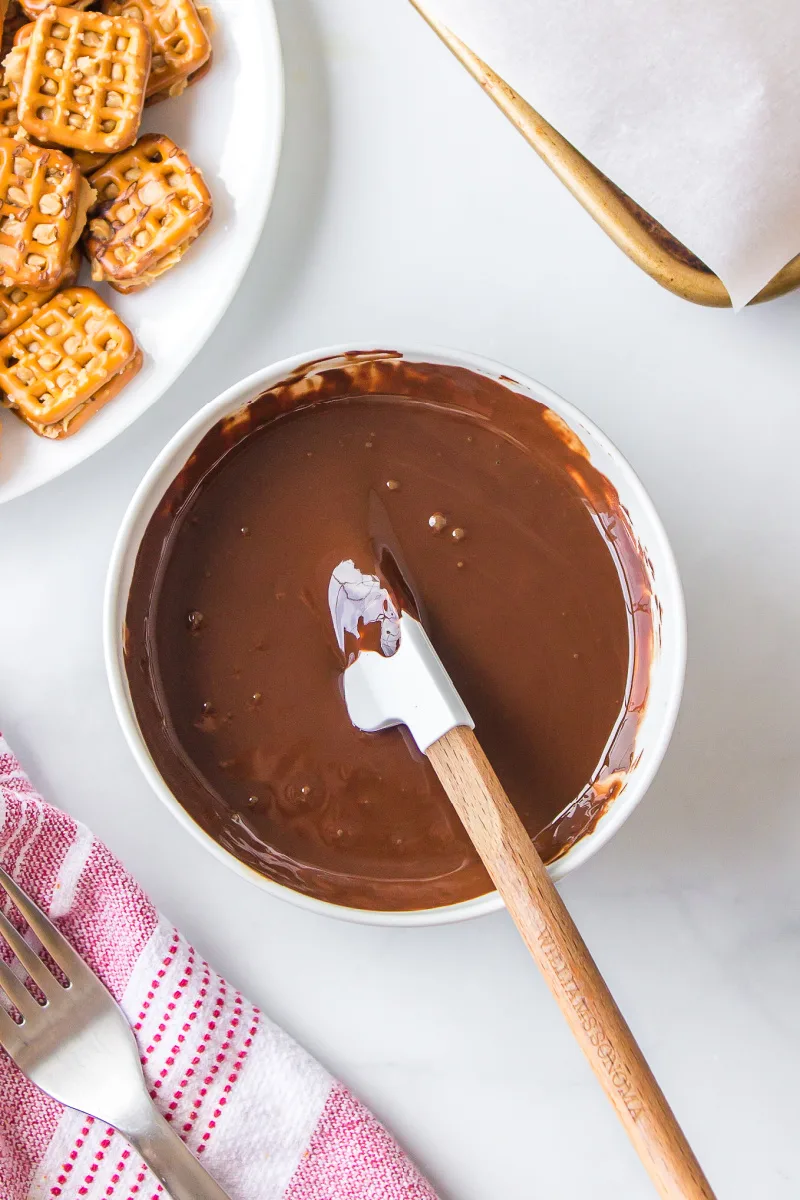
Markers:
point(171, 1160)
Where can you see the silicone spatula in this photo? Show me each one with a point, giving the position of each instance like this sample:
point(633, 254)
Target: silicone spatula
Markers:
point(393, 676)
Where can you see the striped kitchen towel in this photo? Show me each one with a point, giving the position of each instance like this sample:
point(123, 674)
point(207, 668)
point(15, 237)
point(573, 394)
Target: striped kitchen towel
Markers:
point(266, 1119)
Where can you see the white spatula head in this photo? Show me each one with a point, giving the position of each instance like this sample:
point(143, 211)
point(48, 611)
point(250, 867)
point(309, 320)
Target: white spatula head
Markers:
point(401, 681)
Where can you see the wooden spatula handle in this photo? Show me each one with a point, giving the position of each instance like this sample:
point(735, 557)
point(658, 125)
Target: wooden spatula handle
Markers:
point(563, 958)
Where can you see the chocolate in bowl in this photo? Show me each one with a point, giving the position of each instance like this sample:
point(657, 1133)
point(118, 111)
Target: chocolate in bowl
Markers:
point(546, 625)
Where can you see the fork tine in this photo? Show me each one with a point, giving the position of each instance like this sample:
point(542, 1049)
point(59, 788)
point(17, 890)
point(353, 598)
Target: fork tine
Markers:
point(54, 942)
point(10, 1035)
point(28, 957)
point(17, 993)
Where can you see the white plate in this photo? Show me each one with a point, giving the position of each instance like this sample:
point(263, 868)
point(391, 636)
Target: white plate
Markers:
point(230, 124)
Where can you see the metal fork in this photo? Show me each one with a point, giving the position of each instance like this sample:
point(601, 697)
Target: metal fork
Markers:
point(79, 1048)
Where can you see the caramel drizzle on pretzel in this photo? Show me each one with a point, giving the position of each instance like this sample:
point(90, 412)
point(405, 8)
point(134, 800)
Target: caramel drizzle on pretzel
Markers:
point(39, 195)
point(152, 204)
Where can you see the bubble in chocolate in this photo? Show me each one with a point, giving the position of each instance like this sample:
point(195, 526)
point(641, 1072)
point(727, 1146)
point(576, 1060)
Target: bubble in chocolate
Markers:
point(245, 531)
point(339, 833)
point(252, 801)
point(300, 798)
point(195, 620)
point(208, 721)
point(392, 484)
point(437, 522)
point(459, 534)
point(256, 698)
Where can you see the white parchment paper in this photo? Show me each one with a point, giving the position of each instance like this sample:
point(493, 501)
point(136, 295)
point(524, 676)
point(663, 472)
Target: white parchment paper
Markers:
point(690, 106)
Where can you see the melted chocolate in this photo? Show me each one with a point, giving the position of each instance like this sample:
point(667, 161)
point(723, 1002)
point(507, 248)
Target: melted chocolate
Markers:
point(533, 592)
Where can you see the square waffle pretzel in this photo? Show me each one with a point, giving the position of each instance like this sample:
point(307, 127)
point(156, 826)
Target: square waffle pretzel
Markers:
point(152, 203)
point(65, 362)
point(85, 79)
point(14, 73)
point(18, 303)
point(181, 44)
point(40, 204)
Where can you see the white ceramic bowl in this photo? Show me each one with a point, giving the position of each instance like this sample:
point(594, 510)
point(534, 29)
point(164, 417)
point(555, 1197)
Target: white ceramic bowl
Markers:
point(669, 651)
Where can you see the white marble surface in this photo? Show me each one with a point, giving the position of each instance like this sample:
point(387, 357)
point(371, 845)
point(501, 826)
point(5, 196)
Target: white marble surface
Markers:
point(408, 209)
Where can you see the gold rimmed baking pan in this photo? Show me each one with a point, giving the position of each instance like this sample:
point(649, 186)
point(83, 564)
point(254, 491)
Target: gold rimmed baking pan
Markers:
point(643, 239)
